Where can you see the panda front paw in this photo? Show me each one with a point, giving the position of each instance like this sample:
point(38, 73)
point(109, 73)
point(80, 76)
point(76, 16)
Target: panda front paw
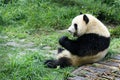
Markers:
point(63, 39)
point(50, 63)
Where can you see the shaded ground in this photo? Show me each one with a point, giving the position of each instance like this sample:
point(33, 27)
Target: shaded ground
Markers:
point(104, 70)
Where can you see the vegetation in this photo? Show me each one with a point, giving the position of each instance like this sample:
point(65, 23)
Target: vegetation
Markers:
point(115, 32)
point(27, 26)
point(55, 14)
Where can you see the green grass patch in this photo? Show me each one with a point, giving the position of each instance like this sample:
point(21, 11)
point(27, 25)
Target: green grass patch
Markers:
point(30, 66)
point(115, 32)
point(55, 14)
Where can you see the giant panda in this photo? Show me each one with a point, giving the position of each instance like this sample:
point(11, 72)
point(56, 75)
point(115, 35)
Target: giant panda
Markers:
point(91, 44)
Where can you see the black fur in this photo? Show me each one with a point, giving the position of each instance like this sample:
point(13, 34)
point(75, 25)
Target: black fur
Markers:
point(50, 63)
point(75, 26)
point(86, 45)
point(60, 50)
point(76, 29)
point(62, 62)
point(81, 13)
point(85, 18)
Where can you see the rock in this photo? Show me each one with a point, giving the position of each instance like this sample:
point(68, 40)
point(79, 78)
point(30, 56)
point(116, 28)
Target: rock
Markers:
point(103, 70)
point(22, 40)
point(30, 44)
point(32, 49)
point(15, 44)
point(47, 48)
point(117, 57)
point(76, 78)
point(4, 37)
point(12, 43)
point(53, 52)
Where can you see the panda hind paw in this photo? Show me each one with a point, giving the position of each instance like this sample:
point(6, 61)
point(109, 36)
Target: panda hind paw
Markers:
point(50, 63)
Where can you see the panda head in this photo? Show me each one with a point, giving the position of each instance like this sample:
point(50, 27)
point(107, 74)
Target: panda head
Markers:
point(79, 25)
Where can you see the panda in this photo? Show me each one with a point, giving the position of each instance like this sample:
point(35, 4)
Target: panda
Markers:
point(91, 44)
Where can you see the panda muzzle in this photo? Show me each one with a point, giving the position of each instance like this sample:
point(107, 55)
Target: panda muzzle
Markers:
point(75, 34)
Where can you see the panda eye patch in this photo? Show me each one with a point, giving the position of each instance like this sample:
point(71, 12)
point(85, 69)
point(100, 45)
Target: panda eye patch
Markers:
point(75, 26)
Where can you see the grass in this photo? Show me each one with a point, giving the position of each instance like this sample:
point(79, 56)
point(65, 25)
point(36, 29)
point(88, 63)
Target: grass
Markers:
point(39, 22)
point(55, 14)
point(29, 66)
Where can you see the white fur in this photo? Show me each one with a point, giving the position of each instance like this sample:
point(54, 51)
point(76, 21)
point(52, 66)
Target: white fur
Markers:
point(93, 26)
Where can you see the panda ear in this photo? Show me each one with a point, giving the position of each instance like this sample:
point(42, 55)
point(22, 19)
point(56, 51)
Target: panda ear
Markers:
point(85, 18)
point(81, 13)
